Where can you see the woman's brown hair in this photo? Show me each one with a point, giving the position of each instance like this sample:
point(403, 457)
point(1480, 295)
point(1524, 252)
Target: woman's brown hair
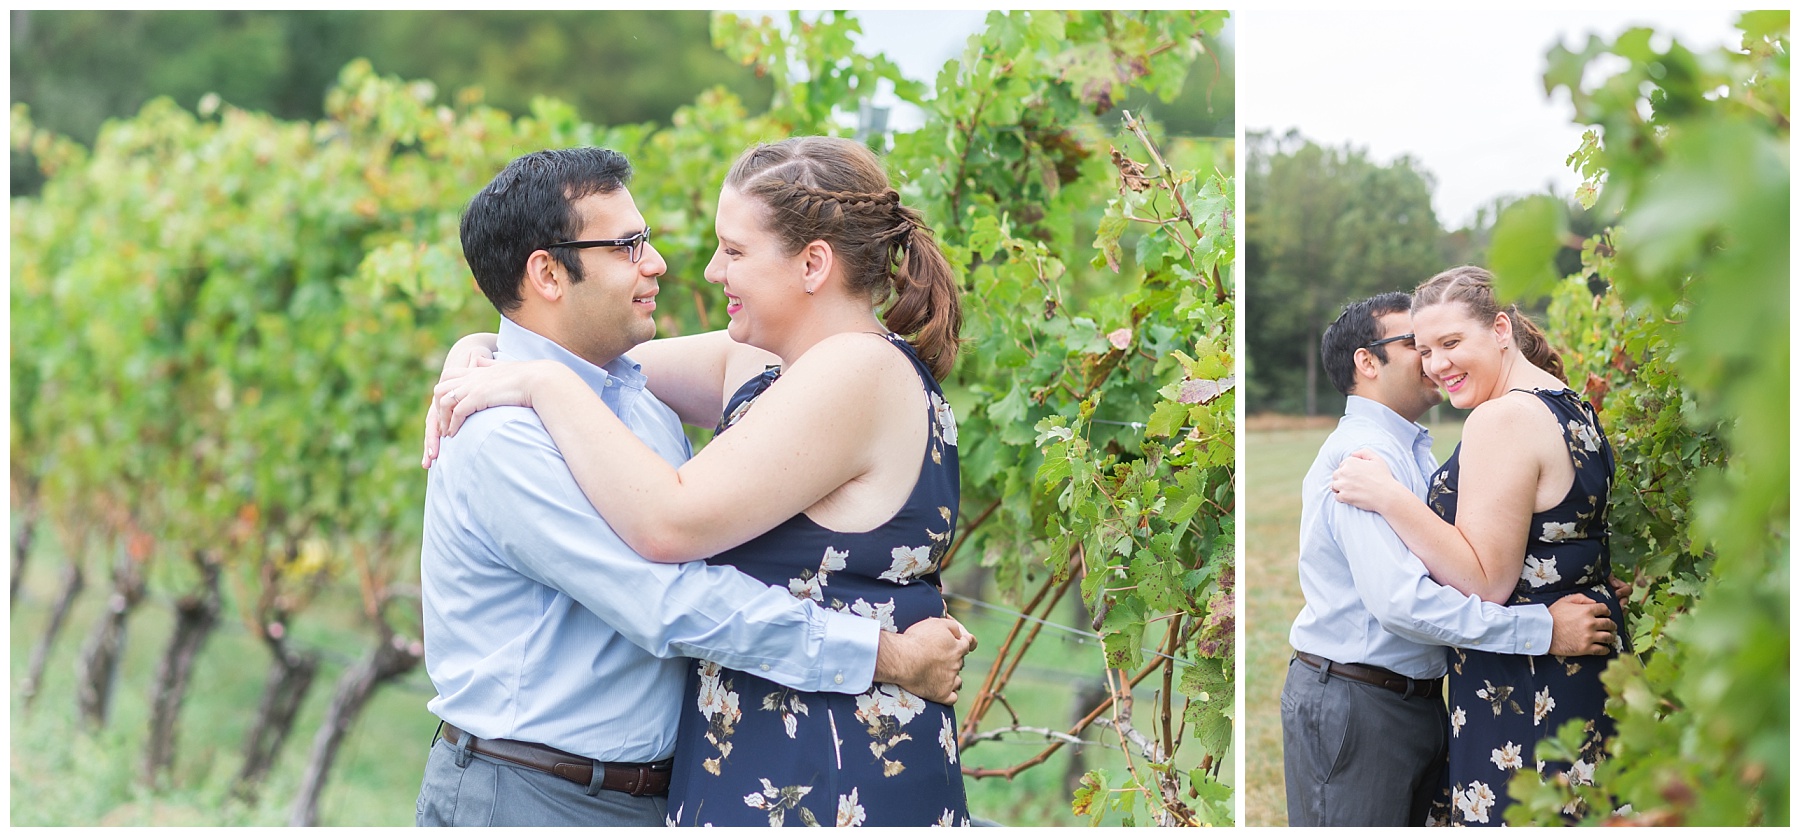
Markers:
point(1474, 288)
point(835, 190)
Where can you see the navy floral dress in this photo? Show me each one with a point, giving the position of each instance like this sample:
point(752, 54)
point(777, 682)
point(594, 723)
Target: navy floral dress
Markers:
point(751, 752)
point(1502, 705)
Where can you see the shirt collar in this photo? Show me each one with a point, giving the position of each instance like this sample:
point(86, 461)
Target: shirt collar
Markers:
point(1384, 417)
point(611, 381)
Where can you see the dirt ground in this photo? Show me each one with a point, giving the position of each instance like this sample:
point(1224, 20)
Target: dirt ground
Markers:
point(1276, 421)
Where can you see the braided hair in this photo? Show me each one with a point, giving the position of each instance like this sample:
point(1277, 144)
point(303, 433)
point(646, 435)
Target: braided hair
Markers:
point(835, 190)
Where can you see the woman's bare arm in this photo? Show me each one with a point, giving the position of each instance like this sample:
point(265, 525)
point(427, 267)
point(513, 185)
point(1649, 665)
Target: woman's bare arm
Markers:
point(1483, 553)
point(693, 374)
point(808, 435)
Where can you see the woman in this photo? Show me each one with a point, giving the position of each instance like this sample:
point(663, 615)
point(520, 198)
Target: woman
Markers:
point(840, 484)
point(1516, 516)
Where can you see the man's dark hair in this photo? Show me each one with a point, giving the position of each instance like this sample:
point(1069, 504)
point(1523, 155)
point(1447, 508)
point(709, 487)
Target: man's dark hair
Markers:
point(1357, 327)
point(529, 205)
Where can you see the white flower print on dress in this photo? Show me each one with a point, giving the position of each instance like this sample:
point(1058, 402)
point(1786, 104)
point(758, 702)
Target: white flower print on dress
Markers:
point(1585, 435)
point(947, 740)
point(945, 820)
point(1457, 719)
point(1545, 703)
point(1499, 697)
point(807, 588)
point(1540, 572)
point(777, 801)
point(791, 707)
point(886, 710)
point(1555, 532)
point(850, 812)
point(1475, 802)
point(909, 563)
point(1581, 773)
point(717, 701)
point(882, 612)
point(943, 420)
point(890, 701)
point(810, 585)
point(1507, 757)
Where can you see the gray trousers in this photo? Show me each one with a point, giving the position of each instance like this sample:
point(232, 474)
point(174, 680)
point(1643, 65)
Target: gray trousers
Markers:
point(1356, 754)
point(463, 788)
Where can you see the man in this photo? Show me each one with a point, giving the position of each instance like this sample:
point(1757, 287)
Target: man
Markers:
point(555, 650)
point(1364, 728)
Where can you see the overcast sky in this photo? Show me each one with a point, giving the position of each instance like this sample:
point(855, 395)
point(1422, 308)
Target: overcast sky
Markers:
point(919, 42)
point(1462, 92)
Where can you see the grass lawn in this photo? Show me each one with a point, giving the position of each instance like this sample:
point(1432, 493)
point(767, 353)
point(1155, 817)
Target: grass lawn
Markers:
point(1277, 460)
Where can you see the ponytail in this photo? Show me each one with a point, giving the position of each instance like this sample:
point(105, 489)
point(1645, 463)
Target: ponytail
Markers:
point(1533, 345)
point(927, 302)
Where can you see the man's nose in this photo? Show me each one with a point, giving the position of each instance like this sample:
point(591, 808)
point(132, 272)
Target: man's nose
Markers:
point(652, 263)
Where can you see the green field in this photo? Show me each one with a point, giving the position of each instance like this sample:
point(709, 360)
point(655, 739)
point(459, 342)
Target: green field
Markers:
point(1276, 462)
point(62, 775)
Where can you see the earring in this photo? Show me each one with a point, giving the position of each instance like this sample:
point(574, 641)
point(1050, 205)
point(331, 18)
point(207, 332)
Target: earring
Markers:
point(809, 292)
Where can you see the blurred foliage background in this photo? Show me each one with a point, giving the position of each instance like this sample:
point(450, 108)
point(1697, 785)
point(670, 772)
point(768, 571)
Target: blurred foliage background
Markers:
point(76, 69)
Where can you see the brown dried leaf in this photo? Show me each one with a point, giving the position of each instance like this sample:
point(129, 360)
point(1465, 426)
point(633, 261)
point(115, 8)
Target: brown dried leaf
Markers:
point(1132, 172)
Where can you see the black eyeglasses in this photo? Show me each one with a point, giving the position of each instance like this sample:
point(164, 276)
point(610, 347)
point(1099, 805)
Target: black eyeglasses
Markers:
point(636, 243)
point(1386, 340)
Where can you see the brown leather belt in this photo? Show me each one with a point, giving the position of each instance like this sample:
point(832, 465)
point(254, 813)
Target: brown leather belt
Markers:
point(635, 779)
point(1374, 676)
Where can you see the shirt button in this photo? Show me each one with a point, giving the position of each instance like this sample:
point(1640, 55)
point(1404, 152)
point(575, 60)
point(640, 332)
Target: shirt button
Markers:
point(609, 382)
point(1529, 646)
point(765, 666)
point(838, 679)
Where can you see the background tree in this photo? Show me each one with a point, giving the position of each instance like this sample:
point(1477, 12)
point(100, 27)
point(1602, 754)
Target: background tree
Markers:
point(1323, 227)
point(78, 68)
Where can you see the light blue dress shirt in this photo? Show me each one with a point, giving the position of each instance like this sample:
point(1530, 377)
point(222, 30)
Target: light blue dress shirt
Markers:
point(542, 625)
point(1368, 599)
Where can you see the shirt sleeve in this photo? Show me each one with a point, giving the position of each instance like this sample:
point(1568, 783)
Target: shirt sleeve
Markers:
point(531, 507)
point(1398, 591)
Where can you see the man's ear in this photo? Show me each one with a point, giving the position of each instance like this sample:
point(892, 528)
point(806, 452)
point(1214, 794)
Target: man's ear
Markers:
point(544, 276)
point(1366, 364)
point(817, 260)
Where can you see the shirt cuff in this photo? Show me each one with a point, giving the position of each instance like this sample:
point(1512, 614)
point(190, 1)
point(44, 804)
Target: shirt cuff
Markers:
point(847, 655)
point(1531, 635)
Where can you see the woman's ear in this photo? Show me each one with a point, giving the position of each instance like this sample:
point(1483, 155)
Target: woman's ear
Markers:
point(541, 272)
point(817, 261)
point(1503, 330)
